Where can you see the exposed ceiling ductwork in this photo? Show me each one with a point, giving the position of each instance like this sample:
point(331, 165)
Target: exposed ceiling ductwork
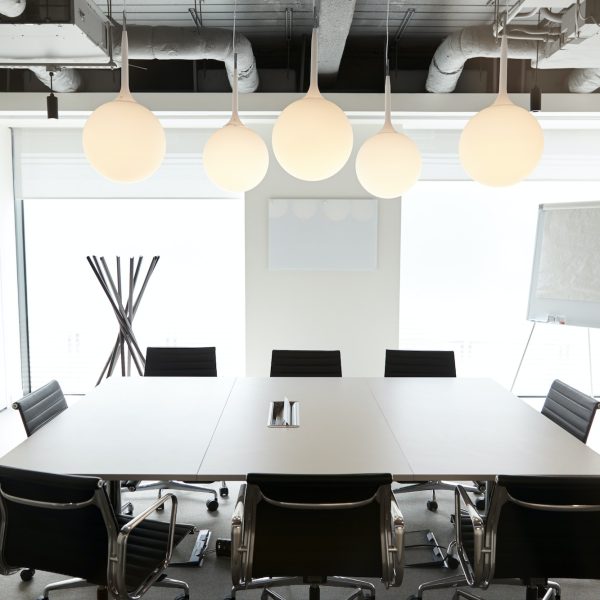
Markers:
point(172, 43)
point(584, 81)
point(86, 35)
point(12, 8)
point(472, 42)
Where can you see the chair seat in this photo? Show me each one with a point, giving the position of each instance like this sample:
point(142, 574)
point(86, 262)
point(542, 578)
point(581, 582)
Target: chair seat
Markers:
point(147, 547)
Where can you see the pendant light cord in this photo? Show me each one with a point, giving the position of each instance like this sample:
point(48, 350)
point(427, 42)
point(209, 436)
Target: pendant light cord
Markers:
point(313, 87)
point(387, 94)
point(234, 83)
point(124, 56)
point(387, 39)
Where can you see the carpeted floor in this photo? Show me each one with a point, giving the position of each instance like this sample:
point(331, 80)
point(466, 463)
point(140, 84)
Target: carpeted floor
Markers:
point(212, 580)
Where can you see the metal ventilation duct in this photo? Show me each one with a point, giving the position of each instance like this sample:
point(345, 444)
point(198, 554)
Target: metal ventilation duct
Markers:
point(472, 42)
point(12, 8)
point(83, 38)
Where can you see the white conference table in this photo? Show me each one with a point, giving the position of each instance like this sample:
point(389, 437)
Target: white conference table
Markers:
point(216, 428)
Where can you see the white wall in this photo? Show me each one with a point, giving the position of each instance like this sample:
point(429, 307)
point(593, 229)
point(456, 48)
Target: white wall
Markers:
point(356, 312)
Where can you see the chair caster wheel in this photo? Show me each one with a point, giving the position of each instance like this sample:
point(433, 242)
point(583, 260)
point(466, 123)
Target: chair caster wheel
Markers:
point(182, 597)
point(42, 598)
point(432, 505)
point(212, 504)
point(452, 562)
point(224, 492)
point(127, 509)
point(27, 574)
point(264, 595)
point(160, 508)
point(480, 504)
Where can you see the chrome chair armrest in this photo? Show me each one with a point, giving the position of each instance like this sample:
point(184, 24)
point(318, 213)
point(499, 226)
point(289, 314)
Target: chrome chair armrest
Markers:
point(237, 536)
point(395, 547)
point(473, 573)
point(118, 560)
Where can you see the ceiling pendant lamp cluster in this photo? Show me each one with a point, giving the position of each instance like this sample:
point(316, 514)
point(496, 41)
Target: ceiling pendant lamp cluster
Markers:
point(312, 137)
point(123, 140)
point(235, 158)
point(502, 144)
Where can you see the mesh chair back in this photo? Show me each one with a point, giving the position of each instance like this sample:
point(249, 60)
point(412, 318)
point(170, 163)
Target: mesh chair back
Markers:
point(542, 543)
point(181, 362)
point(571, 409)
point(41, 406)
point(419, 363)
point(72, 542)
point(306, 363)
point(318, 542)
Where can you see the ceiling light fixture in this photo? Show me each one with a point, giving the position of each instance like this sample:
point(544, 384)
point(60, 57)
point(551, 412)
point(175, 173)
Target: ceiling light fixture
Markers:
point(235, 158)
point(389, 162)
point(312, 137)
point(52, 101)
point(502, 144)
point(122, 139)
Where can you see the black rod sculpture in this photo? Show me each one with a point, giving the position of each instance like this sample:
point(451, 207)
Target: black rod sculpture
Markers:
point(126, 347)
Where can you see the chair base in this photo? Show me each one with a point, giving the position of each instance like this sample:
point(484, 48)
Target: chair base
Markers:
point(66, 584)
point(549, 590)
point(362, 589)
point(212, 503)
point(102, 593)
point(533, 592)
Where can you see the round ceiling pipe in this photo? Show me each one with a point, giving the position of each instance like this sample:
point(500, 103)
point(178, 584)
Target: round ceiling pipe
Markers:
point(174, 43)
point(471, 42)
point(12, 8)
point(63, 80)
point(187, 43)
point(584, 81)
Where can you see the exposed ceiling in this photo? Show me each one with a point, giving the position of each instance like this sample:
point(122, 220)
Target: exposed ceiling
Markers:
point(352, 38)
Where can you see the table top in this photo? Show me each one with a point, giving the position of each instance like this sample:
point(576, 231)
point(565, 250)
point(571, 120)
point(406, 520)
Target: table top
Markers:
point(130, 428)
point(342, 430)
point(216, 428)
point(474, 429)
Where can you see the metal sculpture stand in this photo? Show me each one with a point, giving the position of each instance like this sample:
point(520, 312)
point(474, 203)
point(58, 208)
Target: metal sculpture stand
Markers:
point(126, 347)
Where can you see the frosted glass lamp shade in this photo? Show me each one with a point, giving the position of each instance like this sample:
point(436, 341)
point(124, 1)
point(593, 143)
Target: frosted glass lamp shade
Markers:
point(236, 158)
point(312, 138)
point(123, 140)
point(388, 164)
point(501, 145)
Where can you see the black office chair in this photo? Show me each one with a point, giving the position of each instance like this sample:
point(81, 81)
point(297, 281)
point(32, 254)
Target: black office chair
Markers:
point(41, 406)
point(181, 362)
point(419, 363)
point(536, 528)
point(306, 363)
point(65, 524)
point(573, 410)
point(316, 530)
point(424, 363)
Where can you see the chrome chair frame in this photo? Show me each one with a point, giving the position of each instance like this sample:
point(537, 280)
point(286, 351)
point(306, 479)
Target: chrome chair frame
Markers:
point(480, 574)
point(243, 535)
point(117, 545)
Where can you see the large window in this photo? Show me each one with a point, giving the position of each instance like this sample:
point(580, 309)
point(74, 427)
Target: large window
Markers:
point(466, 261)
point(194, 298)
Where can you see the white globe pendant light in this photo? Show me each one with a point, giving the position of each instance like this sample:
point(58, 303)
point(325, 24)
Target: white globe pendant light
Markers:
point(502, 144)
point(123, 140)
point(389, 162)
point(235, 158)
point(312, 137)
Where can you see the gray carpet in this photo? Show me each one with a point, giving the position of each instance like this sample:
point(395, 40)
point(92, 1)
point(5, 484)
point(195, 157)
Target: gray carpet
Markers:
point(212, 580)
